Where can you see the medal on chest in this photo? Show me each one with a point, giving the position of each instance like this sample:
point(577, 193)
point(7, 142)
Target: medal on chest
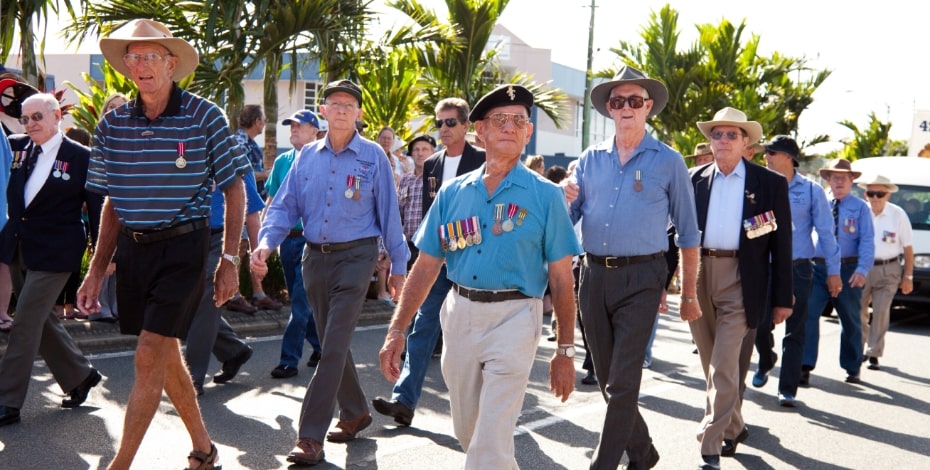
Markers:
point(181, 162)
point(638, 185)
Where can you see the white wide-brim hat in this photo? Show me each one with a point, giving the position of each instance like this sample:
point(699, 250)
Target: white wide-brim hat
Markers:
point(114, 46)
point(880, 180)
point(732, 117)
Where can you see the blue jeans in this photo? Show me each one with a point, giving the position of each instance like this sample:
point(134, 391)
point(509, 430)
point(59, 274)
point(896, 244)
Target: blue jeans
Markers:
point(420, 343)
point(848, 309)
point(792, 346)
point(300, 325)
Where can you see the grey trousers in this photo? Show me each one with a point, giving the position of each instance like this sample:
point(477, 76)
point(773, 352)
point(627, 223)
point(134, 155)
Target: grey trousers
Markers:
point(37, 330)
point(618, 309)
point(209, 331)
point(336, 285)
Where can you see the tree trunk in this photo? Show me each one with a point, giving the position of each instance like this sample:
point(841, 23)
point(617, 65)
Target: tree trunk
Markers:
point(272, 68)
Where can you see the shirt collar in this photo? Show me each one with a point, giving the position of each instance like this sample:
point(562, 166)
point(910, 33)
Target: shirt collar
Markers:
point(648, 143)
point(739, 171)
point(172, 109)
point(52, 143)
point(520, 175)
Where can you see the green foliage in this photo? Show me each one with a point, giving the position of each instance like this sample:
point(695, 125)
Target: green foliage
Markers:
point(86, 112)
point(273, 284)
point(22, 17)
point(390, 91)
point(721, 68)
point(872, 141)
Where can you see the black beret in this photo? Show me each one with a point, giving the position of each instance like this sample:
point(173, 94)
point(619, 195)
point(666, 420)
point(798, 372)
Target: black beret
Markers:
point(423, 138)
point(501, 96)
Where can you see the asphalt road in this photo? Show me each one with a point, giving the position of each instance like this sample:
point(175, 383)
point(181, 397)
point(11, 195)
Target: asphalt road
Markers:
point(880, 424)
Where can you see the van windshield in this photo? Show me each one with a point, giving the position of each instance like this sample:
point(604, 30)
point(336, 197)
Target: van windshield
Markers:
point(915, 200)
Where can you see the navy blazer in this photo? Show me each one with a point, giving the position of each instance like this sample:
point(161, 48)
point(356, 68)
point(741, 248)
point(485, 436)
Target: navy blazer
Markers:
point(51, 230)
point(472, 159)
point(765, 258)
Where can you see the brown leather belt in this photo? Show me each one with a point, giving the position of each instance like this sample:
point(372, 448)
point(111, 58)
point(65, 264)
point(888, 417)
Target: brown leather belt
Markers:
point(882, 262)
point(295, 233)
point(715, 253)
point(334, 247)
point(488, 295)
point(152, 236)
point(848, 259)
point(613, 262)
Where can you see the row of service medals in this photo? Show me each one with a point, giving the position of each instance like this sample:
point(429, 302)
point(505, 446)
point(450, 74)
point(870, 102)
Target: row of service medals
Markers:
point(19, 159)
point(849, 225)
point(353, 188)
point(759, 225)
point(460, 234)
point(500, 224)
point(60, 167)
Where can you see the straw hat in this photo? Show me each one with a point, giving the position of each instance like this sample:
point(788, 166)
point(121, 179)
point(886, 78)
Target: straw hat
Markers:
point(880, 180)
point(114, 46)
point(700, 149)
point(732, 117)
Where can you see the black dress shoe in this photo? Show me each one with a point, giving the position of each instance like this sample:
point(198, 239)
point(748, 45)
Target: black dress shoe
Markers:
point(314, 359)
point(283, 372)
point(805, 380)
point(853, 379)
point(589, 378)
point(710, 462)
point(8, 415)
point(232, 366)
point(873, 364)
point(77, 396)
point(400, 412)
point(649, 461)
point(729, 445)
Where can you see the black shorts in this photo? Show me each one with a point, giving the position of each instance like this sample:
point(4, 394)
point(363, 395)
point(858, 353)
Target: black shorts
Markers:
point(159, 285)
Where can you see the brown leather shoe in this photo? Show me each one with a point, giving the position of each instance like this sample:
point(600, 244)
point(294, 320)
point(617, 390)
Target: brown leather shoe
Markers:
point(349, 428)
point(307, 452)
point(266, 303)
point(239, 304)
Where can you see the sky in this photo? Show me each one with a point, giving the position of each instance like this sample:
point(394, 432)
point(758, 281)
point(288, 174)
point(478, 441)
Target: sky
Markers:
point(875, 50)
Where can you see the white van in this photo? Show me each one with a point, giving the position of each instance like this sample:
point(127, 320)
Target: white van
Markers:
point(912, 175)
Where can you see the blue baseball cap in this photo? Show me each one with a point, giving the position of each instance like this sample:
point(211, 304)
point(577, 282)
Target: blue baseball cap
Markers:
point(304, 117)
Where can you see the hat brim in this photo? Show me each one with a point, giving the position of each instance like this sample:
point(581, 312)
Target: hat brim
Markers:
point(698, 154)
point(753, 129)
point(352, 91)
point(188, 59)
point(892, 188)
point(825, 173)
point(656, 89)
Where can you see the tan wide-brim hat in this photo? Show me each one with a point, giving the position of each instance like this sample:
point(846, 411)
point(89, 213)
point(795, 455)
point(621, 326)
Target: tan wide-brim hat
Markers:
point(732, 117)
point(879, 180)
point(658, 93)
point(701, 149)
point(838, 166)
point(114, 46)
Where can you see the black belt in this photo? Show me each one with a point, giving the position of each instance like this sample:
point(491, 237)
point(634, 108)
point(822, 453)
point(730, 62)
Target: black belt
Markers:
point(882, 262)
point(613, 262)
point(334, 247)
point(800, 261)
point(295, 233)
point(216, 231)
point(488, 295)
point(152, 236)
point(715, 253)
point(848, 259)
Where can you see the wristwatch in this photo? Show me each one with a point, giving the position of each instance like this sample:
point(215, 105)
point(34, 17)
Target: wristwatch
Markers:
point(566, 350)
point(234, 259)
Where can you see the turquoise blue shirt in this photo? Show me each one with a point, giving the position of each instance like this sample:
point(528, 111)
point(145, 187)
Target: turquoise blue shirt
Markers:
point(811, 213)
point(619, 220)
point(512, 260)
point(6, 156)
point(280, 168)
point(314, 191)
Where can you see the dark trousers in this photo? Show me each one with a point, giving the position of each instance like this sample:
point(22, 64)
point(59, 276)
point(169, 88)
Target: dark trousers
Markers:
point(618, 308)
point(792, 346)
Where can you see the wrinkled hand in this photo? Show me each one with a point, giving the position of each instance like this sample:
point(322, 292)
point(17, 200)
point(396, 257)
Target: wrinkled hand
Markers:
point(834, 285)
point(663, 302)
point(780, 314)
point(384, 262)
point(690, 311)
point(389, 356)
point(396, 283)
point(89, 292)
point(257, 263)
point(570, 189)
point(562, 376)
point(225, 283)
point(856, 280)
point(907, 285)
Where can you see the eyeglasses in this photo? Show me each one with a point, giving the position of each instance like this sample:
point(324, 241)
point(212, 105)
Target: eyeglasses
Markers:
point(770, 152)
point(449, 122)
point(149, 58)
point(635, 102)
point(35, 117)
point(878, 194)
point(499, 120)
point(731, 135)
point(342, 106)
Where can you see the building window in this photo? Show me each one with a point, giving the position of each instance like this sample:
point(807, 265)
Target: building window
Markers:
point(312, 91)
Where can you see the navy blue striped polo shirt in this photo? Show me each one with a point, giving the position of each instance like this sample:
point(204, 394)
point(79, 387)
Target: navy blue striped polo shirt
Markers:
point(160, 173)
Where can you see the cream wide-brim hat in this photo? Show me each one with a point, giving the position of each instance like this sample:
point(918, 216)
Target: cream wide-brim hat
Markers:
point(879, 180)
point(114, 46)
point(732, 117)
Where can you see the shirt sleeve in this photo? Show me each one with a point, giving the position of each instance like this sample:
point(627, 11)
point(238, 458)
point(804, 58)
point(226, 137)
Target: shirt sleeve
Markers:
point(822, 217)
point(866, 240)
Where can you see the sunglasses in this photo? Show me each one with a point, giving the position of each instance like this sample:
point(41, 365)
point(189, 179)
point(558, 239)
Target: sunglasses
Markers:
point(634, 101)
point(449, 122)
point(149, 58)
point(35, 117)
point(731, 135)
point(878, 194)
point(499, 120)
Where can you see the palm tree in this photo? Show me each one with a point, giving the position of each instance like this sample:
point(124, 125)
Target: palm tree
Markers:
point(872, 141)
point(22, 16)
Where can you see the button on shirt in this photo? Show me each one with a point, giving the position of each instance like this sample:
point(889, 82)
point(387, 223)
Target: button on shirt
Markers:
point(619, 220)
point(855, 234)
point(892, 232)
point(512, 260)
point(811, 211)
point(315, 191)
point(725, 209)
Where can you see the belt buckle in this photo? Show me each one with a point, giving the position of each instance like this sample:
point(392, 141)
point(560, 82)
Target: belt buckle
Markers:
point(607, 262)
point(137, 237)
point(324, 248)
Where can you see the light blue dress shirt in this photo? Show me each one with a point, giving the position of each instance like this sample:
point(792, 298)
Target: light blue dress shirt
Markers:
point(622, 218)
point(512, 260)
point(811, 213)
point(724, 224)
point(315, 191)
point(855, 233)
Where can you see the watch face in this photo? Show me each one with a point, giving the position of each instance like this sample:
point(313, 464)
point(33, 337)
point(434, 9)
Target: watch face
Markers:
point(568, 351)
